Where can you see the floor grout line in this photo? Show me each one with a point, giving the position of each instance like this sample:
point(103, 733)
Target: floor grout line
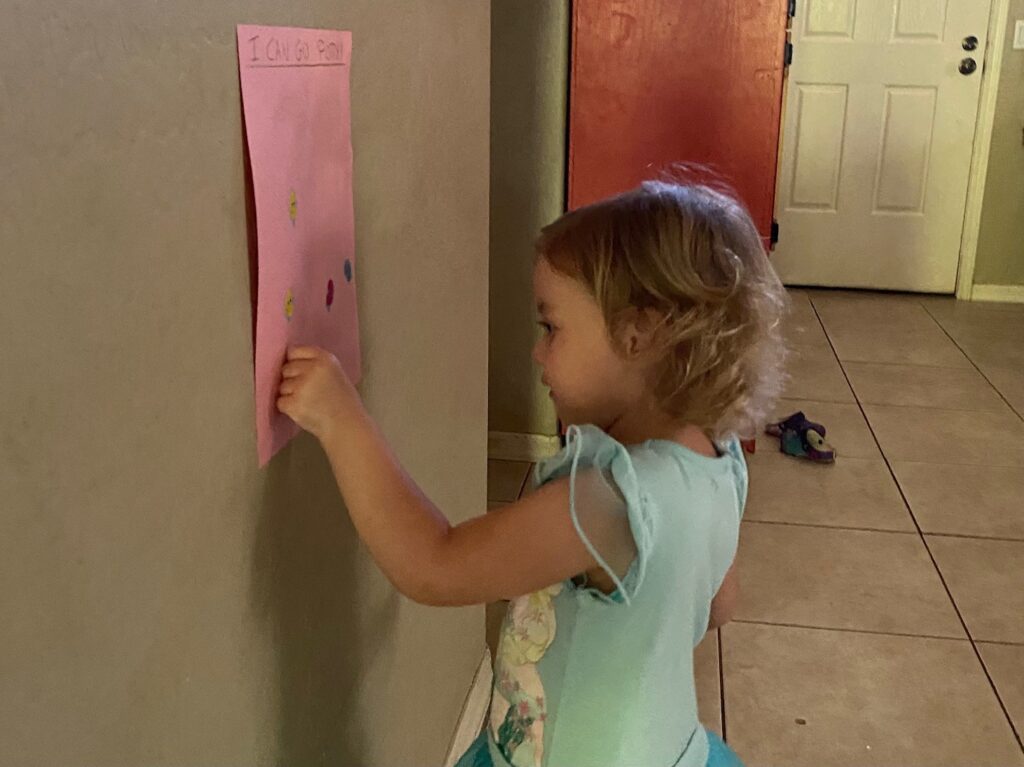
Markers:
point(816, 526)
point(973, 364)
point(902, 364)
point(855, 529)
point(887, 404)
point(523, 484)
point(906, 364)
point(971, 537)
point(905, 462)
point(999, 411)
point(876, 632)
point(924, 541)
point(999, 642)
point(847, 630)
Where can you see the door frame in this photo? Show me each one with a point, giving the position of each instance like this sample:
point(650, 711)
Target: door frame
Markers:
point(991, 70)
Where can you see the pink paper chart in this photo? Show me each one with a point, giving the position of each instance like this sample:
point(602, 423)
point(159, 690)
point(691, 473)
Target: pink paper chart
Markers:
point(295, 97)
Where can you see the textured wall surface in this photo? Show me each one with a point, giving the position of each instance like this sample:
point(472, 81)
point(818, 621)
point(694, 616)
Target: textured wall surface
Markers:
point(529, 82)
point(1000, 259)
point(163, 600)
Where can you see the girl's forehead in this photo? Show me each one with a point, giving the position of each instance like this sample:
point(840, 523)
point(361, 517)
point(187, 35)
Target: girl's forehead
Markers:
point(553, 289)
point(542, 287)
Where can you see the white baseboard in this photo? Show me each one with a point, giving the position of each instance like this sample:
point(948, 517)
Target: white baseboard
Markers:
point(1011, 294)
point(474, 711)
point(512, 446)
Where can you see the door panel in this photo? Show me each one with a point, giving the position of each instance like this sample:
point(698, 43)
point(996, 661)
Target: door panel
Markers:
point(656, 82)
point(877, 143)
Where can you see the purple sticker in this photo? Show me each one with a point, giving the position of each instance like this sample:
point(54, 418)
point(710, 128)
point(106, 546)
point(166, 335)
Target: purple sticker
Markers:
point(330, 294)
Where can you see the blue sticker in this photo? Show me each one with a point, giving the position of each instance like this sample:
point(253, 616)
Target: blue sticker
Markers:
point(348, 270)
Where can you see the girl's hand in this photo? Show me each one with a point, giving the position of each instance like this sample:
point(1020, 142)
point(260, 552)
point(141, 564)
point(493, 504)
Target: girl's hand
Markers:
point(315, 392)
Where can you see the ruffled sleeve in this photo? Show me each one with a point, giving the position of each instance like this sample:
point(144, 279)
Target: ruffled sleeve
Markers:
point(733, 448)
point(606, 503)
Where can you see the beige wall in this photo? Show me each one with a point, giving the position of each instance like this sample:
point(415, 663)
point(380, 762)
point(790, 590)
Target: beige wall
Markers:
point(1000, 259)
point(162, 600)
point(529, 76)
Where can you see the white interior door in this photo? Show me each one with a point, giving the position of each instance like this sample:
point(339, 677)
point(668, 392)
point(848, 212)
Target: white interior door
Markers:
point(877, 142)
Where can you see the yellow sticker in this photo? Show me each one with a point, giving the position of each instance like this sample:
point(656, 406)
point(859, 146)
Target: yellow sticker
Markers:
point(289, 305)
point(293, 207)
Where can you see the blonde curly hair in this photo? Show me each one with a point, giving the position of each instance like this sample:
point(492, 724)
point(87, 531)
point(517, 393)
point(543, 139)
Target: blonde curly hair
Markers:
point(690, 253)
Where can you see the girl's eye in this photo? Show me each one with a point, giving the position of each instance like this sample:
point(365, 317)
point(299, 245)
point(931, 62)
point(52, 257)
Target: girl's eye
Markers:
point(547, 326)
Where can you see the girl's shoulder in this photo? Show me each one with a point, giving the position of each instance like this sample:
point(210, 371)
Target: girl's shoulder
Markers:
point(645, 482)
point(587, 445)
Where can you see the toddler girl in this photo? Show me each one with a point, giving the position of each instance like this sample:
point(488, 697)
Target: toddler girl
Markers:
point(661, 345)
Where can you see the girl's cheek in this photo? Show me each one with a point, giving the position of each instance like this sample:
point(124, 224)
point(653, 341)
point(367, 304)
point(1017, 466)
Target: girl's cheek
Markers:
point(540, 351)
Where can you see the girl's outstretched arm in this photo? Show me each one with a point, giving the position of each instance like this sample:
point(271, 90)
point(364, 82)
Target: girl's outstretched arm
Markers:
point(516, 550)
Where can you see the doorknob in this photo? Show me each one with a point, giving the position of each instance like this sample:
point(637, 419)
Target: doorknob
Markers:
point(968, 66)
point(970, 43)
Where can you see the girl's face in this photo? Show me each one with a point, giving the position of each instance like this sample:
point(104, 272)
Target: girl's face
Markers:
point(589, 382)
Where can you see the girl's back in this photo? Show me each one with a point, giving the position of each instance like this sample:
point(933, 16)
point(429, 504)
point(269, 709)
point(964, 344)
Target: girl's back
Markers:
point(588, 678)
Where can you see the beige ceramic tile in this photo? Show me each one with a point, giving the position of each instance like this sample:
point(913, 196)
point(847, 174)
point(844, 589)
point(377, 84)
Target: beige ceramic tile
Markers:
point(852, 294)
point(948, 311)
point(988, 350)
point(842, 579)
point(815, 373)
point(846, 429)
point(802, 328)
point(940, 306)
point(870, 342)
point(879, 313)
point(505, 479)
point(949, 388)
point(1005, 663)
point(990, 321)
point(928, 435)
point(986, 579)
point(980, 321)
point(709, 689)
point(886, 329)
point(965, 500)
point(853, 492)
point(810, 698)
point(1009, 383)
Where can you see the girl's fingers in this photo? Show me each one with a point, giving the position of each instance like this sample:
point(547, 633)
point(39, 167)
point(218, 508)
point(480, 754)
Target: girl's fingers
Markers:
point(303, 352)
point(294, 369)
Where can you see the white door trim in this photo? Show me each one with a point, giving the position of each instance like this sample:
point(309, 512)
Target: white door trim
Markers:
point(982, 146)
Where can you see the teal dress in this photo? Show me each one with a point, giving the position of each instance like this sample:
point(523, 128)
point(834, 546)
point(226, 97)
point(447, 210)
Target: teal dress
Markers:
point(587, 679)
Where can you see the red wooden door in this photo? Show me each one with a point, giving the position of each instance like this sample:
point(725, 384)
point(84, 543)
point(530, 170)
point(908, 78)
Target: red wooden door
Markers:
point(661, 81)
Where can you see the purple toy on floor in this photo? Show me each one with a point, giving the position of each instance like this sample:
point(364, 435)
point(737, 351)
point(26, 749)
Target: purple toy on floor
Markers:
point(802, 438)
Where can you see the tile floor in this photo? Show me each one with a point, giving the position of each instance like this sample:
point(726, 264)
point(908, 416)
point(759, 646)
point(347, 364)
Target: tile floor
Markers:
point(882, 598)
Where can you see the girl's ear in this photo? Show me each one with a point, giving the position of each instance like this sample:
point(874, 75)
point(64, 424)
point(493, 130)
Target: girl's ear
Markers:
point(639, 330)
